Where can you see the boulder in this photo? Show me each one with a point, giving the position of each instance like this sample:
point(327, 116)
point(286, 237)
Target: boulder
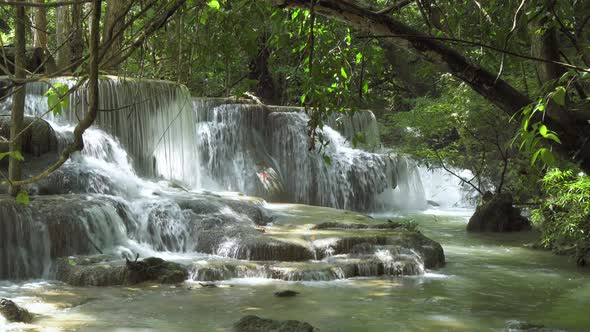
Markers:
point(497, 213)
point(38, 139)
point(12, 312)
point(256, 324)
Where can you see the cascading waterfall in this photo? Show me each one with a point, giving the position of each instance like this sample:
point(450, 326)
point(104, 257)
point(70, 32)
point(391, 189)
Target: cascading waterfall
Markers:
point(265, 152)
point(99, 203)
point(153, 120)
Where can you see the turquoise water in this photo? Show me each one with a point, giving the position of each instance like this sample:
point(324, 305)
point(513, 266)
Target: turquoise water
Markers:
point(488, 281)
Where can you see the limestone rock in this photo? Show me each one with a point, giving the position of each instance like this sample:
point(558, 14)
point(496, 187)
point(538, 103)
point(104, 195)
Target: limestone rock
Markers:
point(13, 312)
point(101, 271)
point(497, 214)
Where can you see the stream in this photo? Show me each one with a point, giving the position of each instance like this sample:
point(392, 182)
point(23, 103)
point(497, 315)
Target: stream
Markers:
point(488, 281)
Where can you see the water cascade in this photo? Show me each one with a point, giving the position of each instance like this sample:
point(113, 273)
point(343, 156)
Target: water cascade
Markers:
point(264, 152)
point(137, 188)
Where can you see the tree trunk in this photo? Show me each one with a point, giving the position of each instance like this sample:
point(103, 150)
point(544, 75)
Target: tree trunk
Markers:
point(39, 32)
point(572, 127)
point(62, 32)
point(18, 99)
point(114, 22)
point(266, 87)
point(77, 43)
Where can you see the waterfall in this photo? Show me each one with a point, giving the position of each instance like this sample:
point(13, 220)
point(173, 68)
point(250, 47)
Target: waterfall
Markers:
point(264, 151)
point(117, 197)
point(153, 120)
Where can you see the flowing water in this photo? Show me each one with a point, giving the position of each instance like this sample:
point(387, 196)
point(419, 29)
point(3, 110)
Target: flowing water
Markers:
point(488, 281)
point(158, 150)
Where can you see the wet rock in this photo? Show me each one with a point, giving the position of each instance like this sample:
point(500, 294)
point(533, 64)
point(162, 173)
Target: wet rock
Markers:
point(432, 203)
point(102, 271)
point(257, 324)
point(14, 313)
point(286, 293)
point(336, 225)
point(38, 139)
point(524, 326)
point(156, 269)
point(496, 213)
point(49, 227)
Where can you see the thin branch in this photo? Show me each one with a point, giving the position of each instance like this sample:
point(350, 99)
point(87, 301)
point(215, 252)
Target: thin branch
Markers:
point(442, 164)
point(395, 7)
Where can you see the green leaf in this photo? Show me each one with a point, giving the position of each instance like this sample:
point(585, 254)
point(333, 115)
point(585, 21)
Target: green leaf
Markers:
point(72, 262)
point(22, 198)
point(343, 72)
point(214, 4)
point(536, 156)
point(366, 87)
point(359, 57)
point(327, 160)
point(553, 137)
point(559, 95)
point(543, 130)
point(15, 155)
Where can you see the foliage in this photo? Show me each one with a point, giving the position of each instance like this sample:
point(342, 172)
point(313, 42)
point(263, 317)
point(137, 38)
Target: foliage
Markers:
point(564, 214)
point(410, 225)
point(460, 130)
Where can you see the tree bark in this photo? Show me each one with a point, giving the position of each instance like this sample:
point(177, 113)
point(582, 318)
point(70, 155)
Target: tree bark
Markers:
point(62, 32)
point(572, 127)
point(18, 99)
point(114, 22)
point(77, 43)
point(40, 30)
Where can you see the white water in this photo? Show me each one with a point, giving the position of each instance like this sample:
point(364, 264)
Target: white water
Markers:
point(219, 147)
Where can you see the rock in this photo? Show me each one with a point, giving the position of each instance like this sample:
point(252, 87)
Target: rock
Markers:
point(335, 225)
point(432, 203)
point(286, 293)
point(39, 139)
point(14, 313)
point(102, 271)
point(497, 214)
point(40, 145)
point(257, 324)
point(156, 269)
point(523, 326)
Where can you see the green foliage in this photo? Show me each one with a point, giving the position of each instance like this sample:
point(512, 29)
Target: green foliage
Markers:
point(564, 215)
point(460, 130)
point(410, 225)
point(15, 154)
point(57, 98)
point(22, 197)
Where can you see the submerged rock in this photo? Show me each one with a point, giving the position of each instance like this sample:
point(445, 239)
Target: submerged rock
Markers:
point(497, 213)
point(13, 312)
point(524, 326)
point(336, 225)
point(286, 293)
point(257, 324)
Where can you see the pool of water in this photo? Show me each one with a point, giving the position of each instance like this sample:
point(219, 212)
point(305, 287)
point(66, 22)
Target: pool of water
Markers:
point(488, 280)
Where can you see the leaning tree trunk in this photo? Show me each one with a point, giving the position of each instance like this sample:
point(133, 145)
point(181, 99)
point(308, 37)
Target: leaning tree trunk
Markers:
point(572, 126)
point(18, 99)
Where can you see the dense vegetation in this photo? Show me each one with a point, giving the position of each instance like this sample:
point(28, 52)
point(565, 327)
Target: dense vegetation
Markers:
point(499, 88)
